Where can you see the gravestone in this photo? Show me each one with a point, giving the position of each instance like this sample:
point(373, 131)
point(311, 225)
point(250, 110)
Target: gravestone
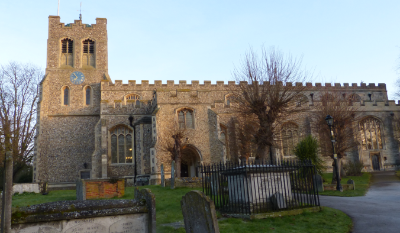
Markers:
point(173, 175)
point(162, 176)
point(350, 181)
point(318, 183)
point(199, 214)
point(150, 199)
point(278, 201)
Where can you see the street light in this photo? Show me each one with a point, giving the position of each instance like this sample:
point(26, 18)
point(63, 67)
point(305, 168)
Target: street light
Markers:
point(329, 121)
point(130, 149)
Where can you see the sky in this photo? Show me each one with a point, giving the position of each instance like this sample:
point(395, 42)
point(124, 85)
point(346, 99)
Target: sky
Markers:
point(340, 41)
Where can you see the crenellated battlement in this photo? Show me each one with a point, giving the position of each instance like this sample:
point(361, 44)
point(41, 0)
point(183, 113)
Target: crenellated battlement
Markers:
point(54, 21)
point(207, 84)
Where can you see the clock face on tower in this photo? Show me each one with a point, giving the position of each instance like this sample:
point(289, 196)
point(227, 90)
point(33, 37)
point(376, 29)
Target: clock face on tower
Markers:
point(77, 77)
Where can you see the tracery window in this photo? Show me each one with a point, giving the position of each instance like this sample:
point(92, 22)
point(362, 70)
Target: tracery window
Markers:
point(371, 131)
point(301, 100)
point(354, 98)
point(290, 138)
point(88, 56)
point(186, 119)
point(121, 145)
point(66, 52)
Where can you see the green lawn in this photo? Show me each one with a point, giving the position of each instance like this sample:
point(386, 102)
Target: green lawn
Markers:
point(362, 185)
point(169, 211)
point(398, 174)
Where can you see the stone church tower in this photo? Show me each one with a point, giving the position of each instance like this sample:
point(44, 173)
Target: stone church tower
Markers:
point(69, 105)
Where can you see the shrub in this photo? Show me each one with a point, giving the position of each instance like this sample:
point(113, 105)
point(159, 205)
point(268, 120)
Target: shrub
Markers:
point(353, 168)
point(307, 149)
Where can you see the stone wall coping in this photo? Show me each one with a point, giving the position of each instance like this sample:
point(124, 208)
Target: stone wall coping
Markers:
point(63, 210)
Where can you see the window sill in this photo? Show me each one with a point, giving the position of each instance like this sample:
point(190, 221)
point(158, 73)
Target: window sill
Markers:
point(121, 164)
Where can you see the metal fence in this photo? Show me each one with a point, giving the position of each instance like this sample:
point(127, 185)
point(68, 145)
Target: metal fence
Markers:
point(259, 187)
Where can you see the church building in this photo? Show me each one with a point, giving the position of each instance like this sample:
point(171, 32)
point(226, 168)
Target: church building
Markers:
point(89, 126)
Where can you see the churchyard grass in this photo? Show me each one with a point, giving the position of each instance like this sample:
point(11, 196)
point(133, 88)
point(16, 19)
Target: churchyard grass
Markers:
point(28, 199)
point(398, 174)
point(169, 211)
point(362, 184)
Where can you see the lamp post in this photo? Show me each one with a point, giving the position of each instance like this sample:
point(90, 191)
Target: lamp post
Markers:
point(134, 152)
point(329, 121)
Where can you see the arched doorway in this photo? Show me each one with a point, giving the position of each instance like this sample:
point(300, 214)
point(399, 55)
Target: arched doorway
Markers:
point(191, 159)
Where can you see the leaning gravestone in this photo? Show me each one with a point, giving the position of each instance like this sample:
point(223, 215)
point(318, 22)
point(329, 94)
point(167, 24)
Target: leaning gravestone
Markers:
point(318, 183)
point(199, 214)
point(173, 175)
point(150, 200)
point(162, 176)
point(350, 181)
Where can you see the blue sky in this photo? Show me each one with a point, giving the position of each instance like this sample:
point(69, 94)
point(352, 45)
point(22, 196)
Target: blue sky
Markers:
point(346, 41)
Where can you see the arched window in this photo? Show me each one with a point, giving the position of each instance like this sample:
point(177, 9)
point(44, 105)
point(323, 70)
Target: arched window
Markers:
point(133, 99)
point(88, 95)
point(66, 52)
point(290, 138)
point(371, 131)
point(354, 98)
point(186, 119)
point(88, 55)
point(121, 145)
point(65, 96)
point(229, 99)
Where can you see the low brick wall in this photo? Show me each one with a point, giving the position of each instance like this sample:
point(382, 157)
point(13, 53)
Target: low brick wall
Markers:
point(332, 187)
point(188, 182)
point(99, 188)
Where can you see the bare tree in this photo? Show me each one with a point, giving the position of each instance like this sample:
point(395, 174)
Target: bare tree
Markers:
point(270, 90)
point(173, 146)
point(18, 100)
point(340, 107)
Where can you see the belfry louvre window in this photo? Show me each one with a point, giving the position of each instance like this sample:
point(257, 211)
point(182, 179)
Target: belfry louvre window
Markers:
point(186, 119)
point(88, 57)
point(290, 138)
point(371, 132)
point(121, 145)
point(66, 52)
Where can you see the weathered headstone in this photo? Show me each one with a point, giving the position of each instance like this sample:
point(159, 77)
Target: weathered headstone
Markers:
point(162, 176)
point(318, 183)
point(148, 196)
point(173, 175)
point(350, 181)
point(199, 213)
point(278, 201)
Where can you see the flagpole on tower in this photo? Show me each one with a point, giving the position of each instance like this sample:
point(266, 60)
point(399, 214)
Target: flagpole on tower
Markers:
point(58, 9)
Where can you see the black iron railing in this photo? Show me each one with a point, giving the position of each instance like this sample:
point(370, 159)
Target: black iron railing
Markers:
point(259, 187)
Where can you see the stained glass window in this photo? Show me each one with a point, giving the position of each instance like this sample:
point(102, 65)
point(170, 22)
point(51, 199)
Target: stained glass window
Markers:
point(121, 145)
point(371, 134)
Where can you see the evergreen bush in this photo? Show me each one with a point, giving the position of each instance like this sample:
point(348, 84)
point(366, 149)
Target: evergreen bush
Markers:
point(307, 149)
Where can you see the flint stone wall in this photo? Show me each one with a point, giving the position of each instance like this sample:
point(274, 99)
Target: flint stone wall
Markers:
point(94, 216)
